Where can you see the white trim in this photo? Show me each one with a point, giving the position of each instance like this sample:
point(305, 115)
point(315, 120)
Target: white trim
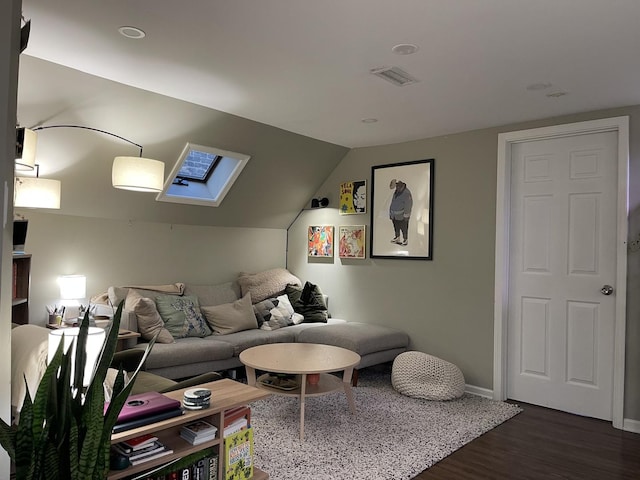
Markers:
point(479, 391)
point(505, 140)
point(631, 425)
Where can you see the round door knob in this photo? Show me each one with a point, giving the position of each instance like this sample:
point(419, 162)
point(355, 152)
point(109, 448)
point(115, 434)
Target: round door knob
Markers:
point(606, 290)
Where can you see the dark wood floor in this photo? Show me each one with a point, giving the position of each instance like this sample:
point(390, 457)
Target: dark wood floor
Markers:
point(540, 443)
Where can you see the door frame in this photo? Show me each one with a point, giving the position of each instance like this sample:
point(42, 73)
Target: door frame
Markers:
point(503, 211)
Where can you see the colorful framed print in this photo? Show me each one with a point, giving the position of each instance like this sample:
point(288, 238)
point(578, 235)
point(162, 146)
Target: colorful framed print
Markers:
point(320, 241)
point(353, 197)
point(351, 241)
point(402, 210)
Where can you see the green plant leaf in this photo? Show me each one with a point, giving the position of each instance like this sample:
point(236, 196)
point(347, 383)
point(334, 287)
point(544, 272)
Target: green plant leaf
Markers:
point(64, 433)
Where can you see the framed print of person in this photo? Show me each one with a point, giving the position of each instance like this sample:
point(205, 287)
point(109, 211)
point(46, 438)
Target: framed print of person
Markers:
point(353, 197)
point(351, 241)
point(320, 241)
point(402, 210)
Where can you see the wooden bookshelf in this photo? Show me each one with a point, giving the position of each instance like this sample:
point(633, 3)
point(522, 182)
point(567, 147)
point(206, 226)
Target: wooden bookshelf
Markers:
point(225, 394)
point(21, 282)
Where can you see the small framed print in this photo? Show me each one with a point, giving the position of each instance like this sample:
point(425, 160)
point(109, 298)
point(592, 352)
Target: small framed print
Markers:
point(353, 197)
point(351, 241)
point(402, 210)
point(320, 241)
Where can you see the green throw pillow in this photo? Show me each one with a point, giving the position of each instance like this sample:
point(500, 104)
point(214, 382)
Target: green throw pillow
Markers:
point(309, 302)
point(181, 316)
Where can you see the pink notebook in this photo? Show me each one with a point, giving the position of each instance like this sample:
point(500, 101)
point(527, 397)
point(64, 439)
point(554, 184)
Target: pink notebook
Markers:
point(145, 404)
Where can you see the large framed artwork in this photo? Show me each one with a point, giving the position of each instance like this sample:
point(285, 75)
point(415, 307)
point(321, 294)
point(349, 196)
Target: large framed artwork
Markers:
point(351, 241)
point(353, 197)
point(320, 241)
point(402, 210)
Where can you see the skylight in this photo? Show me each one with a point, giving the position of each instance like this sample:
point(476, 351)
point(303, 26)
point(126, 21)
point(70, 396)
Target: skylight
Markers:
point(202, 176)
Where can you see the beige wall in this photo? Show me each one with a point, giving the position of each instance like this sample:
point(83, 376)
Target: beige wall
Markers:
point(446, 305)
point(114, 252)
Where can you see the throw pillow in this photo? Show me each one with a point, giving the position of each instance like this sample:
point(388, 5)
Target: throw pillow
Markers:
point(231, 317)
point(309, 302)
point(267, 284)
point(182, 316)
point(274, 313)
point(148, 318)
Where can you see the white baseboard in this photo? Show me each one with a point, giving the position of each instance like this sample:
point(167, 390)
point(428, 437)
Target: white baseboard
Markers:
point(479, 391)
point(630, 425)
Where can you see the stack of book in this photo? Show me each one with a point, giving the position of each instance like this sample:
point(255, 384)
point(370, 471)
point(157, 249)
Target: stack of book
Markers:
point(144, 409)
point(198, 432)
point(140, 449)
point(236, 419)
point(205, 467)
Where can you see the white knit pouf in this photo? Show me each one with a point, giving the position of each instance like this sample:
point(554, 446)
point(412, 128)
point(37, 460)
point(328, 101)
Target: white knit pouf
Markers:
point(420, 375)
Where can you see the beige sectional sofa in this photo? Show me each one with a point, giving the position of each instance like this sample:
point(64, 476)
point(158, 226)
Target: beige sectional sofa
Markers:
point(193, 355)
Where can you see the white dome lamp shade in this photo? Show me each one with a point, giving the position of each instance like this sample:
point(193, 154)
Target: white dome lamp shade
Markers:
point(137, 174)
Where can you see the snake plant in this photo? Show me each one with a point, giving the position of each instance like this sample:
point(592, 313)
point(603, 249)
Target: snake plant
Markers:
point(64, 433)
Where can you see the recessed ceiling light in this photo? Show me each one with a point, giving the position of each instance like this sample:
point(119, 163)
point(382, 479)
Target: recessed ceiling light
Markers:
point(132, 32)
point(405, 49)
point(369, 120)
point(539, 86)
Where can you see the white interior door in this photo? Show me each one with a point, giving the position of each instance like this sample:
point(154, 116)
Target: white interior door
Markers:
point(562, 253)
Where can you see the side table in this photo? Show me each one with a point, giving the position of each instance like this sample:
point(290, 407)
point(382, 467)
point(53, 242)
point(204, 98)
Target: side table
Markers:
point(122, 334)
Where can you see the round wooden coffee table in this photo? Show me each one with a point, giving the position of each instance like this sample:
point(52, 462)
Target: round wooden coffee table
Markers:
point(302, 359)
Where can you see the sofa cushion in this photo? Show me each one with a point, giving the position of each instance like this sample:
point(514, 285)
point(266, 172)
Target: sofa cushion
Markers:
point(308, 301)
point(147, 317)
point(186, 351)
point(182, 316)
point(240, 341)
point(230, 317)
point(266, 284)
point(362, 338)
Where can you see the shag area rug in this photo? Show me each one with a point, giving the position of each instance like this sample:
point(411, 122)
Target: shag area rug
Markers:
point(392, 437)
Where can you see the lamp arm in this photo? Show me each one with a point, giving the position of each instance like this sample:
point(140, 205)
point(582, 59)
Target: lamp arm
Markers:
point(44, 127)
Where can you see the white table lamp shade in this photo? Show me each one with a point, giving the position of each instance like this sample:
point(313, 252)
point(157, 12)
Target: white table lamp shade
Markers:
point(72, 287)
point(95, 340)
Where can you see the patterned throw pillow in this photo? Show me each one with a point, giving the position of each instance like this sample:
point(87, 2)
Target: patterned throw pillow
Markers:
point(181, 316)
point(274, 313)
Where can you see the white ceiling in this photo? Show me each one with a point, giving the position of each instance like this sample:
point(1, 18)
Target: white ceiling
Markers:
point(303, 65)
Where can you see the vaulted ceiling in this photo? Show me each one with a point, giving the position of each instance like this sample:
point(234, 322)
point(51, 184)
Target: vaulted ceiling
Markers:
point(289, 83)
point(303, 66)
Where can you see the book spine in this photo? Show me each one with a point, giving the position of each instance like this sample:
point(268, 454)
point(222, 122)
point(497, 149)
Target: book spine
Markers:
point(213, 467)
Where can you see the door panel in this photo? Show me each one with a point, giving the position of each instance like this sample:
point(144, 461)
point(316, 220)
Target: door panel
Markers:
point(562, 251)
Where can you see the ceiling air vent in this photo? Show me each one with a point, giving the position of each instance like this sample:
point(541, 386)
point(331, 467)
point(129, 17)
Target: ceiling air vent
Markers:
point(395, 75)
